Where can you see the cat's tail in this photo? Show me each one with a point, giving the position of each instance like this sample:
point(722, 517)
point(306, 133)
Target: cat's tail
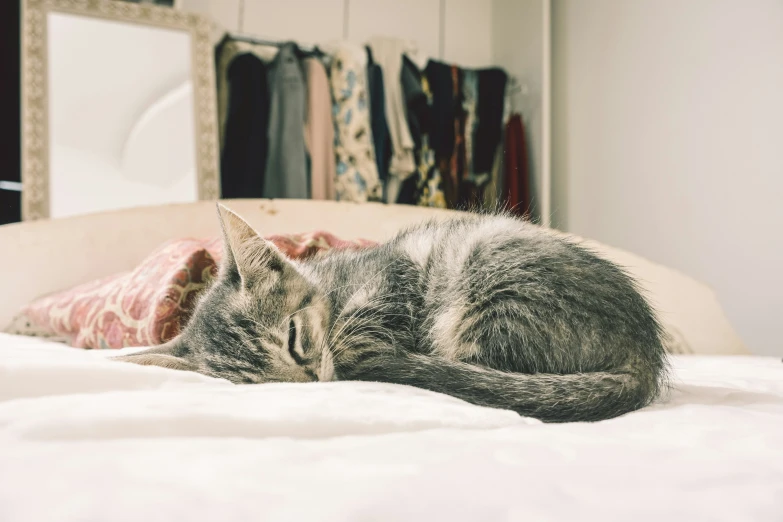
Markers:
point(549, 397)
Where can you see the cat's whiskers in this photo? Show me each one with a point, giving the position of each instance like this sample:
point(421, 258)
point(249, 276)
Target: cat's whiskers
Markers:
point(368, 315)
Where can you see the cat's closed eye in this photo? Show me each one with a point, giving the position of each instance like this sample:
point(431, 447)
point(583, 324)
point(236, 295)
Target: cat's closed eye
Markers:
point(294, 348)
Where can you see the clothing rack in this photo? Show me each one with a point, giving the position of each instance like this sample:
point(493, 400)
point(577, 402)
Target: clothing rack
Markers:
point(452, 162)
point(307, 48)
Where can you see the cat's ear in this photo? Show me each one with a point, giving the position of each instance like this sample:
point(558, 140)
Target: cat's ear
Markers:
point(169, 355)
point(244, 251)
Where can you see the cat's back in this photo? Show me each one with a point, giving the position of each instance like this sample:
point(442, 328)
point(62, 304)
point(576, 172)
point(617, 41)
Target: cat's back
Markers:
point(487, 254)
point(441, 244)
point(449, 244)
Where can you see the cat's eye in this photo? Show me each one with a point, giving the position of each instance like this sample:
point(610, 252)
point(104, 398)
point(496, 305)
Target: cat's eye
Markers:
point(292, 342)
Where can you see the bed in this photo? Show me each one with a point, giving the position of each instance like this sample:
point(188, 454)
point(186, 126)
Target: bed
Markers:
point(83, 438)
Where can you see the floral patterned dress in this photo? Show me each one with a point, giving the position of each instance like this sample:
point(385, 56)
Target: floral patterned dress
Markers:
point(357, 172)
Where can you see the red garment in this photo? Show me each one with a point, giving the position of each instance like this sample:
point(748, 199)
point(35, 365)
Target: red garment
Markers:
point(456, 170)
point(516, 186)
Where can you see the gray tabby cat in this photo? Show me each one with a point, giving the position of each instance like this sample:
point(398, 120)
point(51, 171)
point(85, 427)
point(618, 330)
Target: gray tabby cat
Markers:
point(488, 309)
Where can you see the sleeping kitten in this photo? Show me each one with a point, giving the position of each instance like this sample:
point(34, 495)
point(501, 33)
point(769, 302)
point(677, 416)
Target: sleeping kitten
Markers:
point(488, 309)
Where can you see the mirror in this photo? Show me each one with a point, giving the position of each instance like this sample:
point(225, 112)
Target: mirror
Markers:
point(118, 107)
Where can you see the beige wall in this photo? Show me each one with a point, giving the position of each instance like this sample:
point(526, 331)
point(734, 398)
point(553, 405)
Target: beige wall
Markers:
point(456, 30)
point(668, 141)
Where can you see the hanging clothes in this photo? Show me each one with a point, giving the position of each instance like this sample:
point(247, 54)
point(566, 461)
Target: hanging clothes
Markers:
point(388, 52)
point(429, 186)
point(417, 113)
point(484, 99)
point(243, 158)
point(225, 52)
point(357, 172)
point(447, 134)
point(429, 189)
point(491, 103)
point(417, 110)
point(456, 167)
point(400, 134)
point(425, 187)
point(380, 129)
point(516, 192)
point(287, 175)
point(471, 183)
point(319, 131)
point(442, 135)
point(470, 95)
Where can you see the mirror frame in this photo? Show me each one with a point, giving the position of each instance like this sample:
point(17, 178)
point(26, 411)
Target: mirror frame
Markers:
point(35, 101)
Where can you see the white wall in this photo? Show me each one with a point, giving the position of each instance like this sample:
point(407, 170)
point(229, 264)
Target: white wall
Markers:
point(668, 141)
point(520, 44)
point(452, 30)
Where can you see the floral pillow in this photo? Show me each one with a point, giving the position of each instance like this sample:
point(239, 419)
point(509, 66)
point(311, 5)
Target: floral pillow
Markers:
point(150, 304)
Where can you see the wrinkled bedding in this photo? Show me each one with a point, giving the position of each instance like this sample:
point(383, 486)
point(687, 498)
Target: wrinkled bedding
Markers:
point(83, 438)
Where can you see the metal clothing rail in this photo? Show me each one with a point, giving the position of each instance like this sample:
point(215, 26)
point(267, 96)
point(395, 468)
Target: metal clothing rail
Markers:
point(241, 37)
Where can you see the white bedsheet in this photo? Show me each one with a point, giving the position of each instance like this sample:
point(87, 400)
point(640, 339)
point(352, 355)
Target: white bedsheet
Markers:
point(86, 439)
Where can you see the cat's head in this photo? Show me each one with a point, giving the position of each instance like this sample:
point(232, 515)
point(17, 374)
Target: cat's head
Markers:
point(260, 321)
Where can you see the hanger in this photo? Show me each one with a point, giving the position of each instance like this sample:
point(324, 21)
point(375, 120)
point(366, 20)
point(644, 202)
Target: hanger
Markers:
point(516, 89)
point(303, 49)
point(513, 88)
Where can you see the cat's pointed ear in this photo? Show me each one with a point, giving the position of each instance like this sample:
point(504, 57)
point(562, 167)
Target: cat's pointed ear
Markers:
point(244, 251)
point(170, 355)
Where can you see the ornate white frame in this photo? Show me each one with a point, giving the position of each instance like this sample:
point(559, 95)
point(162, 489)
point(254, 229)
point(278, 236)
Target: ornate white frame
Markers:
point(35, 106)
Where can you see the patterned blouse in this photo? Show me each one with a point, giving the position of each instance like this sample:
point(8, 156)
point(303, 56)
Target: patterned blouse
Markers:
point(357, 173)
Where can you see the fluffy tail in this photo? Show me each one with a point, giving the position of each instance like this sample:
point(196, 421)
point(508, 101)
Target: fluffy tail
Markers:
point(576, 397)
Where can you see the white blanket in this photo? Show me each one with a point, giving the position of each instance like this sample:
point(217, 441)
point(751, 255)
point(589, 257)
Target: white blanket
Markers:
point(86, 439)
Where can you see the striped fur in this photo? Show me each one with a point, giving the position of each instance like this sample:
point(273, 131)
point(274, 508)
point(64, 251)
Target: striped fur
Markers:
point(486, 308)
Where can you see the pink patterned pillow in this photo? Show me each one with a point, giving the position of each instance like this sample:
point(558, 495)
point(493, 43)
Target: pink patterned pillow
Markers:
point(150, 304)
